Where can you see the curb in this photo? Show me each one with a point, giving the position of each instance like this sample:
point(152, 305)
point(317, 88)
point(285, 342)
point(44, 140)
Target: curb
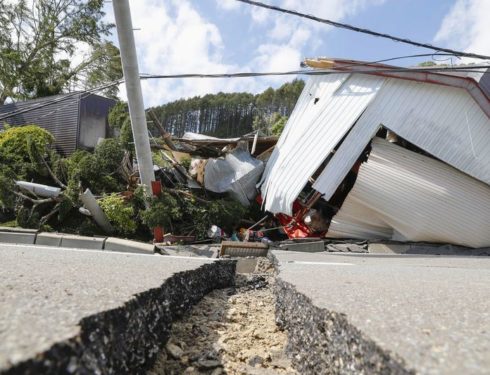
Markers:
point(33, 237)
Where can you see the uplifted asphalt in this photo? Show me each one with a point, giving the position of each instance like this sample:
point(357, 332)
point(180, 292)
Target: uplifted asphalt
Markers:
point(431, 312)
point(45, 292)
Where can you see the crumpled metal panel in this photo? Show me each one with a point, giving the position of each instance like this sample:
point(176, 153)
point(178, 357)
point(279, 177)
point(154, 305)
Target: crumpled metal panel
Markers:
point(446, 122)
point(355, 220)
point(237, 174)
point(346, 155)
point(420, 198)
point(326, 110)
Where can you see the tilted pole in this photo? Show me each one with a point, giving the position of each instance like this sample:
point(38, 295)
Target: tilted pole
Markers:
point(129, 60)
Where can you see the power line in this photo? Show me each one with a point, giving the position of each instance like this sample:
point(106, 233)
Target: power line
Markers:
point(465, 69)
point(364, 31)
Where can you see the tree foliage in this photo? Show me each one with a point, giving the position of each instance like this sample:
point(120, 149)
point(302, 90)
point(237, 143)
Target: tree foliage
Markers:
point(38, 41)
point(96, 171)
point(162, 211)
point(118, 115)
point(119, 212)
point(14, 140)
point(16, 151)
point(278, 123)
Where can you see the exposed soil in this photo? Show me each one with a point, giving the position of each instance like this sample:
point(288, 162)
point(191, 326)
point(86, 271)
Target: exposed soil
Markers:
point(231, 331)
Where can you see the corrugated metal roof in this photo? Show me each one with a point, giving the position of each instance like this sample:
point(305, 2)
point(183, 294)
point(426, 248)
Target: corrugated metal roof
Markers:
point(325, 111)
point(422, 199)
point(474, 83)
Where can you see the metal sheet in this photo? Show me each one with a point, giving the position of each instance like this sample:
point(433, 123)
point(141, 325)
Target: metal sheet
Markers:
point(326, 110)
point(420, 198)
point(355, 220)
point(346, 155)
point(237, 174)
point(444, 121)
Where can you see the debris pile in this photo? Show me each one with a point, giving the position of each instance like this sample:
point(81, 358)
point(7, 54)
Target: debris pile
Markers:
point(376, 154)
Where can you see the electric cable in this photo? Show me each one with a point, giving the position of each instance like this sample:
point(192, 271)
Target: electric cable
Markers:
point(364, 31)
point(465, 69)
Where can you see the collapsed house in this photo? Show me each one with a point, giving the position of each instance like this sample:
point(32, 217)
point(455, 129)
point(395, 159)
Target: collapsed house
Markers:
point(425, 136)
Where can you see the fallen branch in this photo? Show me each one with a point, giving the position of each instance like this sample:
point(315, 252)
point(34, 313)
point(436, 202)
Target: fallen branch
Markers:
point(48, 216)
point(51, 173)
point(190, 195)
point(36, 202)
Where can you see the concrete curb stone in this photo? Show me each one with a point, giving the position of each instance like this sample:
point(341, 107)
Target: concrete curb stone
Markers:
point(82, 242)
point(128, 246)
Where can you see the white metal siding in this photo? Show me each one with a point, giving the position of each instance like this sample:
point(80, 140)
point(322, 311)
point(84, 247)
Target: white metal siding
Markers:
point(422, 199)
point(312, 132)
point(444, 121)
point(346, 155)
point(354, 220)
point(316, 86)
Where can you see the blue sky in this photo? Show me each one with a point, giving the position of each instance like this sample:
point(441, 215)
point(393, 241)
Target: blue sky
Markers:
point(223, 36)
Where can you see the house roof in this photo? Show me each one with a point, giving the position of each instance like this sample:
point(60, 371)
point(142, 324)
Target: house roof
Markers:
point(476, 83)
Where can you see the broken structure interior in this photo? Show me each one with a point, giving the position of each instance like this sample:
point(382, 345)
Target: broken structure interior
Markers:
point(391, 155)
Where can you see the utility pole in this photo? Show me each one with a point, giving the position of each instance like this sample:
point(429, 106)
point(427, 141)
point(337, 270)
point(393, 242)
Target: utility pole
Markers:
point(129, 60)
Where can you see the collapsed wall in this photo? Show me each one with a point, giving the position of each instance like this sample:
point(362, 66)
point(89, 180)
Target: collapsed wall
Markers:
point(404, 196)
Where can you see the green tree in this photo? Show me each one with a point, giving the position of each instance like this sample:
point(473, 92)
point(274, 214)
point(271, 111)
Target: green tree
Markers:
point(229, 114)
point(278, 123)
point(38, 42)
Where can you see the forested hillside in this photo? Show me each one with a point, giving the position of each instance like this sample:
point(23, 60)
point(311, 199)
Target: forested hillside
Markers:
point(230, 115)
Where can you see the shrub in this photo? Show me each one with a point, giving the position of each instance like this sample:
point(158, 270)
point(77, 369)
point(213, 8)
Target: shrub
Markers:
point(225, 213)
point(119, 213)
point(109, 154)
point(14, 140)
point(92, 171)
point(162, 211)
point(7, 197)
point(16, 145)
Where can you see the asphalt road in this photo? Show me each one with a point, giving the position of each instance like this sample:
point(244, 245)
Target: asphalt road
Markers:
point(433, 311)
point(45, 292)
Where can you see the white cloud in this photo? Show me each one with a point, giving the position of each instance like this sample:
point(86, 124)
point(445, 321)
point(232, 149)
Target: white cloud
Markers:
point(259, 15)
point(466, 27)
point(289, 37)
point(174, 38)
point(228, 4)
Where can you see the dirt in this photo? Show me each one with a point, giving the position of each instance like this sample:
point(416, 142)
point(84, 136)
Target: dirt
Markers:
point(231, 331)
